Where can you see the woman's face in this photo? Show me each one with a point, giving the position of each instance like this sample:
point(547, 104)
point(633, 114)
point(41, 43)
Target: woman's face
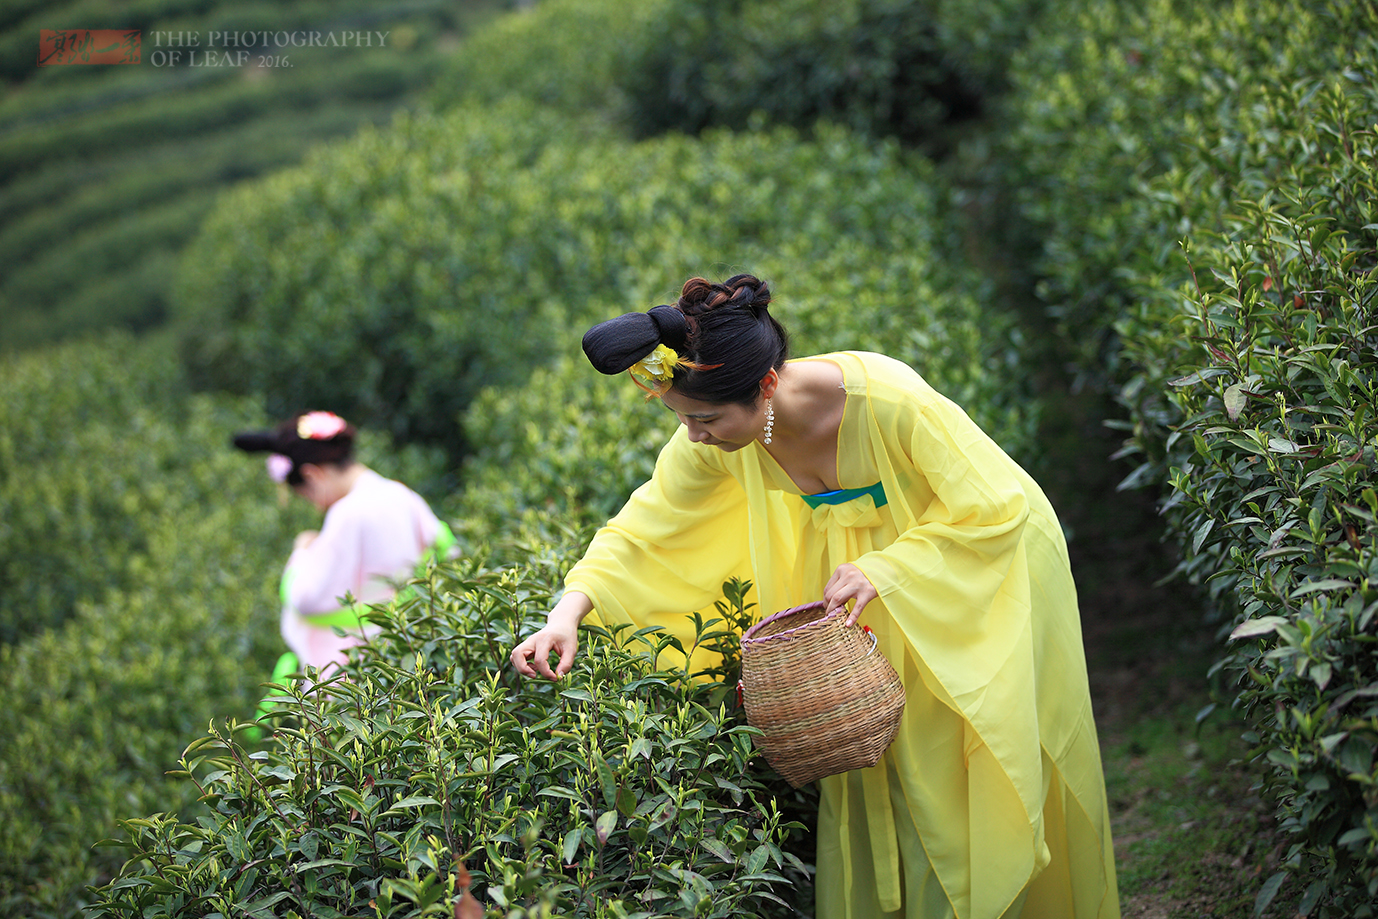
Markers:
point(728, 426)
point(318, 486)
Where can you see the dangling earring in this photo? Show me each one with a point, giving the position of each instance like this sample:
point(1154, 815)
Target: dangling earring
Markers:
point(770, 419)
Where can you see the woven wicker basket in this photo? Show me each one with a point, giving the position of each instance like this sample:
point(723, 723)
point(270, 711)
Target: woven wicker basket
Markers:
point(825, 699)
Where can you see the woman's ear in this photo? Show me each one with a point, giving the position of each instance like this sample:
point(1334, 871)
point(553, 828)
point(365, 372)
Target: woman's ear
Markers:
point(770, 382)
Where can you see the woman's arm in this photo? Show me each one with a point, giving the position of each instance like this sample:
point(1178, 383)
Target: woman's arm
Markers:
point(664, 555)
point(559, 636)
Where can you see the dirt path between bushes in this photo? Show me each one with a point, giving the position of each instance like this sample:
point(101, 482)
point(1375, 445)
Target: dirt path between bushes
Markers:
point(1148, 651)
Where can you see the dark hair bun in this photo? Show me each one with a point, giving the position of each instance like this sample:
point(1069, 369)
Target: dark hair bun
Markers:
point(743, 291)
point(725, 338)
point(617, 344)
point(257, 442)
point(332, 444)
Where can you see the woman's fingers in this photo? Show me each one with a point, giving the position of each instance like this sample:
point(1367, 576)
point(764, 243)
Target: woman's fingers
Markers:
point(566, 658)
point(532, 657)
point(521, 656)
point(848, 583)
point(861, 600)
point(833, 594)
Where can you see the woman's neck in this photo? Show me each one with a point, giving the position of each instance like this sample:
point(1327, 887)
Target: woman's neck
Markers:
point(808, 413)
point(808, 402)
point(339, 482)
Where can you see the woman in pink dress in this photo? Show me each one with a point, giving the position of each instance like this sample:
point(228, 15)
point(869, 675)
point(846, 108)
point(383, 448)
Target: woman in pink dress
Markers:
point(375, 532)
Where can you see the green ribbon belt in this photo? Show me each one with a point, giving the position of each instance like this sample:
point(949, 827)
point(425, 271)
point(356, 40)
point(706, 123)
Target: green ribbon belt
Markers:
point(843, 495)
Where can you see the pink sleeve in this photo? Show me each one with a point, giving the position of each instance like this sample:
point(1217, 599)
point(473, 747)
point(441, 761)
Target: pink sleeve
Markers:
point(372, 536)
point(326, 570)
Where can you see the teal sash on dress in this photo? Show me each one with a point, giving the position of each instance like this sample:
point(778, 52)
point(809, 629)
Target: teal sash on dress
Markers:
point(842, 495)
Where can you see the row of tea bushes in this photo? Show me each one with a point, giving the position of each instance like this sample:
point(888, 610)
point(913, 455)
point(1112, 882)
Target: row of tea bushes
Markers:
point(106, 171)
point(1204, 177)
point(76, 472)
point(1271, 463)
point(139, 556)
point(621, 791)
point(1103, 98)
point(897, 68)
point(397, 275)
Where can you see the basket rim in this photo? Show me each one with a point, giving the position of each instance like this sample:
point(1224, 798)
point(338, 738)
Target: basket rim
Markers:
point(786, 634)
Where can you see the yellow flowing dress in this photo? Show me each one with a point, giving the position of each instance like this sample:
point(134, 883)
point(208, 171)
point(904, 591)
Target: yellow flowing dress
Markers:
point(990, 804)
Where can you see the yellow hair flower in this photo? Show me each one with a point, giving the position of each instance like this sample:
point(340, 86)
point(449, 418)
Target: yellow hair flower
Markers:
point(658, 366)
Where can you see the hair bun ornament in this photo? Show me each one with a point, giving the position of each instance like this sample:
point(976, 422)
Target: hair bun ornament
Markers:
point(617, 344)
point(320, 425)
point(279, 467)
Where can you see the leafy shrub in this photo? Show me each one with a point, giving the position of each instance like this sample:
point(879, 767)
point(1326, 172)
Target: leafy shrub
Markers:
point(571, 55)
point(877, 66)
point(1267, 433)
point(1104, 99)
point(96, 709)
point(882, 67)
point(83, 459)
point(474, 249)
point(572, 444)
point(387, 279)
point(1201, 180)
point(622, 790)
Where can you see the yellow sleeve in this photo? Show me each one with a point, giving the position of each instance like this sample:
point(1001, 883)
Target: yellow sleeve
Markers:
point(668, 551)
point(947, 578)
point(964, 589)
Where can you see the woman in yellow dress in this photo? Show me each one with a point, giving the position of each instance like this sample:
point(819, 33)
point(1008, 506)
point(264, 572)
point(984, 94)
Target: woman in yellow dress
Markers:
point(846, 477)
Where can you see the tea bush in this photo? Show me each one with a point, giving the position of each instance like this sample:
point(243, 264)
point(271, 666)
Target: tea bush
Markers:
point(570, 445)
point(1254, 389)
point(87, 454)
point(622, 790)
point(397, 275)
point(883, 67)
point(139, 599)
point(354, 282)
point(1199, 178)
point(877, 66)
point(1104, 98)
point(570, 55)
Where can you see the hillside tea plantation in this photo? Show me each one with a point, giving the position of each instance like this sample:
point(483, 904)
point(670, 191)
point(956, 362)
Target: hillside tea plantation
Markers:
point(1163, 210)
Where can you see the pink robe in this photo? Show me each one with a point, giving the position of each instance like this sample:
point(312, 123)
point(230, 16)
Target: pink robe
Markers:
point(372, 536)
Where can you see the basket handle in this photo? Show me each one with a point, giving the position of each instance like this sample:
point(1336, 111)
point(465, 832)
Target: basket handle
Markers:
point(875, 642)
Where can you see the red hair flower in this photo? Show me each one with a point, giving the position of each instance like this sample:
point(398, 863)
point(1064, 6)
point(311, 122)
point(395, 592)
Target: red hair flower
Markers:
point(319, 425)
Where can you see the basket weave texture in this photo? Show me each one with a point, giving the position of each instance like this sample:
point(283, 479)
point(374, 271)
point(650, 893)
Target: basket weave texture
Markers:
point(823, 696)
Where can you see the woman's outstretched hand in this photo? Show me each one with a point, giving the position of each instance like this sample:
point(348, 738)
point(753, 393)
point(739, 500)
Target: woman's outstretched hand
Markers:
point(560, 636)
point(848, 583)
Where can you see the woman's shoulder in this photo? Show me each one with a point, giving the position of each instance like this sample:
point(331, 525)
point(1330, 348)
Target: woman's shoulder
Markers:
point(878, 376)
point(375, 495)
